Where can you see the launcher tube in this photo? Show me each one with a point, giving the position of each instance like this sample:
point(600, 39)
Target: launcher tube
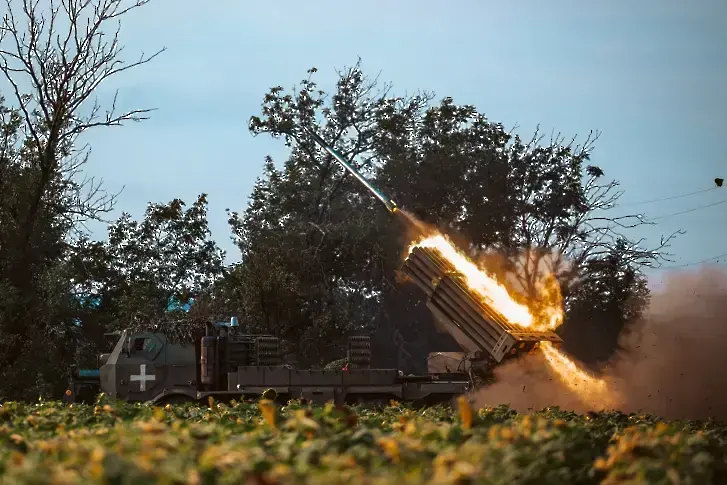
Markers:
point(470, 320)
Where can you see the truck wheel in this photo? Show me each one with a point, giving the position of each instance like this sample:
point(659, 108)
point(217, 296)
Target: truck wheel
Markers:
point(87, 394)
point(371, 402)
point(175, 400)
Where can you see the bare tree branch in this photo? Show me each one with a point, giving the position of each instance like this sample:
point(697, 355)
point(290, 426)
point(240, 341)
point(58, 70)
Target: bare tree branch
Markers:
point(59, 49)
point(578, 231)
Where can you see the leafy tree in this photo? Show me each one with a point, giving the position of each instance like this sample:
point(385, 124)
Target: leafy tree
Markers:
point(454, 169)
point(611, 296)
point(299, 279)
point(149, 269)
point(53, 63)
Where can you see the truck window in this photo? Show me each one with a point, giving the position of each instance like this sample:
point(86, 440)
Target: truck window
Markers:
point(145, 345)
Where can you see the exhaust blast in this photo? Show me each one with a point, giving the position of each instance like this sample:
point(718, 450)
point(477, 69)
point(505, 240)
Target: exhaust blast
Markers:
point(672, 364)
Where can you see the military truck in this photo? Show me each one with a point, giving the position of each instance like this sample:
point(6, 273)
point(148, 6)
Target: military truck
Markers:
point(226, 364)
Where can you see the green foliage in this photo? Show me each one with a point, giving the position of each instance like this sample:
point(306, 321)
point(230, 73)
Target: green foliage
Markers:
point(35, 313)
point(611, 295)
point(145, 265)
point(256, 443)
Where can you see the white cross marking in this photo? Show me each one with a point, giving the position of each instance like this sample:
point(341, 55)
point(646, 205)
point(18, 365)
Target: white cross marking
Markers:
point(142, 377)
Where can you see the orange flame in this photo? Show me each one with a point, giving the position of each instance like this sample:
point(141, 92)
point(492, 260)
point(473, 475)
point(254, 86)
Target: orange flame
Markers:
point(549, 315)
point(589, 388)
point(493, 292)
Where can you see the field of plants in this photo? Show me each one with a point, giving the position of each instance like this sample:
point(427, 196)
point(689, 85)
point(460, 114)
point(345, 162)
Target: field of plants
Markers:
point(263, 443)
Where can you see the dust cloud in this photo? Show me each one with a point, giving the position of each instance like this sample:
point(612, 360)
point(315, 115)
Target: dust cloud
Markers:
point(672, 364)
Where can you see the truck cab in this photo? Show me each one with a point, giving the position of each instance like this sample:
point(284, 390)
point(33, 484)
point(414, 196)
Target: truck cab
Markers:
point(139, 367)
point(145, 365)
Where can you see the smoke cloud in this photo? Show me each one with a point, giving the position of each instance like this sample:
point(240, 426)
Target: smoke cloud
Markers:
point(673, 362)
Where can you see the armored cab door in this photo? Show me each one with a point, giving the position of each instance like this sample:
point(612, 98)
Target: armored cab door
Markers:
point(181, 367)
point(142, 374)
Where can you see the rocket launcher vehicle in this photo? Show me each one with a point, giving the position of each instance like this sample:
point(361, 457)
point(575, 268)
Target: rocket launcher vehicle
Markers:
point(475, 326)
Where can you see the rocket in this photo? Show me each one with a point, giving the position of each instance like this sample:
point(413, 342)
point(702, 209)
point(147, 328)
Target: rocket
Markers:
point(388, 203)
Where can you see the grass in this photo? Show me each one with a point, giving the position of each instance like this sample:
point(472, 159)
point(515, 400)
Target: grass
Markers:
point(261, 443)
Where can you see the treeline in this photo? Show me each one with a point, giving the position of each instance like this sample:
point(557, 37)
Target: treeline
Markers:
point(318, 256)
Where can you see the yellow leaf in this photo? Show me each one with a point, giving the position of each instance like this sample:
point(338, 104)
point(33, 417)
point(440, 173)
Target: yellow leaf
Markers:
point(267, 409)
point(152, 427)
point(673, 475)
point(391, 449)
point(305, 421)
point(465, 412)
point(97, 455)
point(442, 465)
point(462, 471)
point(410, 428)
point(159, 414)
point(63, 476)
point(17, 459)
point(193, 477)
point(96, 470)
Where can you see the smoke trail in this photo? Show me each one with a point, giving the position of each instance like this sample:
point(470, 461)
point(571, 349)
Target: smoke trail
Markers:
point(672, 363)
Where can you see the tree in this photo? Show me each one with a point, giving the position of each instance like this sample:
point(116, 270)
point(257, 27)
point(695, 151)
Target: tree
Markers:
point(309, 264)
point(569, 228)
point(299, 277)
point(445, 163)
point(610, 298)
point(53, 63)
point(149, 269)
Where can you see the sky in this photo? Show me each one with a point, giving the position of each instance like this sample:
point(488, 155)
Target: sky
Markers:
point(651, 76)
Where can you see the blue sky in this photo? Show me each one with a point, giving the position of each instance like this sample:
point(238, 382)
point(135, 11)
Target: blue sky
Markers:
point(650, 75)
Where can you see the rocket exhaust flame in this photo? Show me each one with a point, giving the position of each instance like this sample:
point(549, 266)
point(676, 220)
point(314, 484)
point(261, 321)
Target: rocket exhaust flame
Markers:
point(588, 387)
point(483, 284)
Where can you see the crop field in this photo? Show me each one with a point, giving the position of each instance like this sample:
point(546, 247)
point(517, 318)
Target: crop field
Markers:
point(264, 443)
